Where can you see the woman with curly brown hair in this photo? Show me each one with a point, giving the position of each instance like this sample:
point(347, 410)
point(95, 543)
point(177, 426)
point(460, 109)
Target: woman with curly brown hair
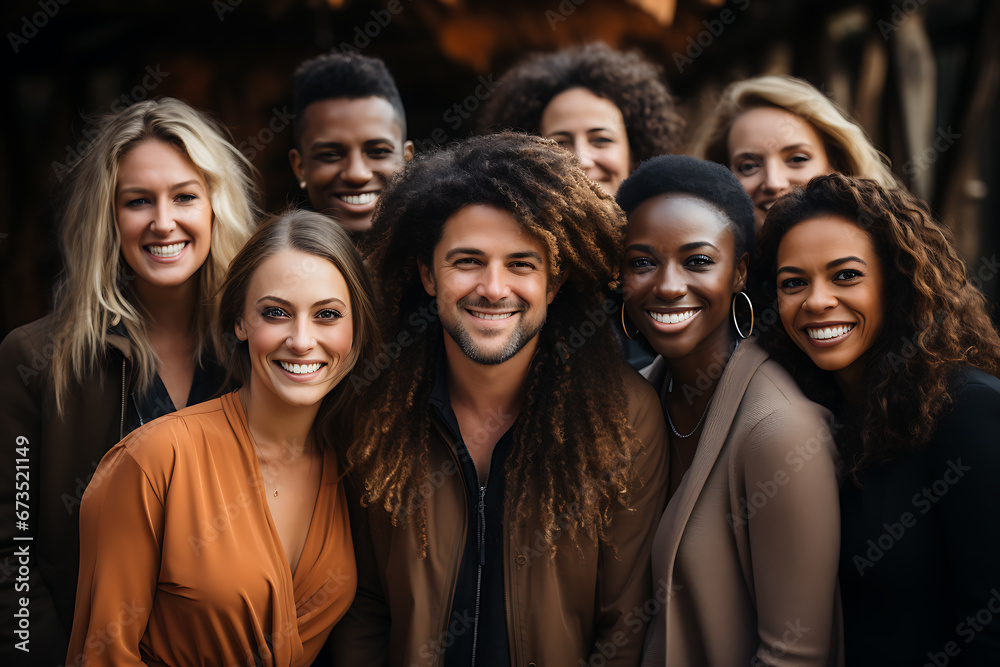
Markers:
point(610, 108)
point(880, 323)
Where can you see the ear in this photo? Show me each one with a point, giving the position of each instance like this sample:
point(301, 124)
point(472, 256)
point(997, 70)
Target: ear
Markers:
point(295, 159)
point(555, 284)
point(740, 277)
point(427, 278)
point(408, 151)
point(241, 332)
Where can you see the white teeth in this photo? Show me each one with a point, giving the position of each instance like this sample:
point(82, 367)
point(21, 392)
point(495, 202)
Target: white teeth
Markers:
point(672, 318)
point(490, 316)
point(300, 369)
point(167, 250)
point(365, 198)
point(829, 332)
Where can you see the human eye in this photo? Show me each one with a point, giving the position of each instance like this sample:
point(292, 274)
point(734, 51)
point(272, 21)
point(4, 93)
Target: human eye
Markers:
point(186, 198)
point(602, 142)
point(746, 167)
point(641, 264)
point(273, 313)
point(791, 284)
point(329, 156)
point(136, 203)
point(699, 261)
point(329, 314)
point(848, 275)
point(380, 153)
point(799, 159)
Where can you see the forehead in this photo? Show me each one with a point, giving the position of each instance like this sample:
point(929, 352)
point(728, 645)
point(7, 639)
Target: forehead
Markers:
point(345, 121)
point(677, 219)
point(151, 158)
point(824, 238)
point(297, 276)
point(487, 229)
point(579, 108)
point(770, 128)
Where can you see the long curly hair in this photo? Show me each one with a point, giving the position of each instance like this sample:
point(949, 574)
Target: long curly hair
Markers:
point(936, 320)
point(632, 83)
point(572, 440)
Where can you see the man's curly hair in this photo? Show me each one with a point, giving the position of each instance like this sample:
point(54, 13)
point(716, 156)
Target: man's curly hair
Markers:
point(631, 82)
point(936, 320)
point(573, 447)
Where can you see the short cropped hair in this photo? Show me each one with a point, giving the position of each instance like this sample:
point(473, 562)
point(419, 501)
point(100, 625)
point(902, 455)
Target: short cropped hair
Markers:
point(709, 181)
point(344, 76)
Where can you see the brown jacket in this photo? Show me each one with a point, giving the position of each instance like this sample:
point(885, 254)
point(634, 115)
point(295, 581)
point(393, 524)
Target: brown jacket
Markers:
point(43, 570)
point(745, 557)
point(583, 603)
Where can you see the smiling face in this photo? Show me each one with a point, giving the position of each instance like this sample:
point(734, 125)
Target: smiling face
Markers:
point(491, 280)
point(164, 215)
point(771, 151)
point(593, 129)
point(298, 326)
point(680, 274)
point(349, 150)
point(831, 293)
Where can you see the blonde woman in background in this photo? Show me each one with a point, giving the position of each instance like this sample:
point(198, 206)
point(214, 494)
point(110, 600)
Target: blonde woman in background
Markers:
point(776, 132)
point(154, 211)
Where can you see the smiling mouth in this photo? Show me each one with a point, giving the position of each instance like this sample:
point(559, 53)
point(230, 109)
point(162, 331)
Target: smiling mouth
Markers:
point(166, 251)
point(359, 200)
point(488, 316)
point(828, 333)
point(300, 369)
point(673, 318)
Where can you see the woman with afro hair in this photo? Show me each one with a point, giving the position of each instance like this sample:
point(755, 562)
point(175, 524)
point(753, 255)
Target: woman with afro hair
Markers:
point(879, 322)
point(610, 108)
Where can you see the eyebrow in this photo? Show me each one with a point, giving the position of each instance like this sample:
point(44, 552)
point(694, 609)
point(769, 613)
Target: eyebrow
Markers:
point(693, 245)
point(176, 186)
point(829, 265)
point(475, 252)
point(288, 304)
point(336, 144)
point(790, 147)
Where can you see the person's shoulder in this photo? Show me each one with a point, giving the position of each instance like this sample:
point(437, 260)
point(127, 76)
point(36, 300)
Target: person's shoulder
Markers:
point(975, 404)
point(176, 433)
point(773, 389)
point(32, 336)
point(973, 381)
point(638, 390)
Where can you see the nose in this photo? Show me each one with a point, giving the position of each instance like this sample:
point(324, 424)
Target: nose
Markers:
point(670, 283)
point(164, 222)
point(494, 285)
point(820, 298)
point(300, 338)
point(584, 151)
point(775, 177)
point(356, 171)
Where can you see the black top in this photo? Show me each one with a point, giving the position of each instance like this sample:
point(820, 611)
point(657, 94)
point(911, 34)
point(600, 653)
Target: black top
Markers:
point(478, 622)
point(920, 547)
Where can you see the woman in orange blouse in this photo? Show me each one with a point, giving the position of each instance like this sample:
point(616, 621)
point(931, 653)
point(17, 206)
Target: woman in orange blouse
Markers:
point(219, 534)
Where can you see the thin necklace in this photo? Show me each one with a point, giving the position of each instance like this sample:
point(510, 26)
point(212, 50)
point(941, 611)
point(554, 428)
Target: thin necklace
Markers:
point(260, 455)
point(670, 389)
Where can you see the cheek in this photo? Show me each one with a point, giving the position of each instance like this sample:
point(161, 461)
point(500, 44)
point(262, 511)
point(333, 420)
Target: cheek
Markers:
point(786, 312)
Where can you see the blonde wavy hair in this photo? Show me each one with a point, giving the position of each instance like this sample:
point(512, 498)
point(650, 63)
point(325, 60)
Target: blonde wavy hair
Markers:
point(848, 148)
point(93, 292)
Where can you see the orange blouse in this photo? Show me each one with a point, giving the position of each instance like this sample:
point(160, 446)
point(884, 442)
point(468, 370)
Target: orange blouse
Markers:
point(181, 563)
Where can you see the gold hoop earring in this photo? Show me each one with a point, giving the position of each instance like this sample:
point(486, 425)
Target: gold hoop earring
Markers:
point(733, 309)
point(625, 328)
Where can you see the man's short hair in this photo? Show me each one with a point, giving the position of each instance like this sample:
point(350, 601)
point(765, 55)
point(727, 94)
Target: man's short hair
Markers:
point(344, 76)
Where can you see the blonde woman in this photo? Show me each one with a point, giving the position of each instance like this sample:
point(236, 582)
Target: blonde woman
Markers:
point(156, 207)
point(776, 132)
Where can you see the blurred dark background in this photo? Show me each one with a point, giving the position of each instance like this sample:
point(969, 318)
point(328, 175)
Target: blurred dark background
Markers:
point(911, 71)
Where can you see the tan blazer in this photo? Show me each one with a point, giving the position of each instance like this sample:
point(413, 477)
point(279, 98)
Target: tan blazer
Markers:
point(745, 557)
